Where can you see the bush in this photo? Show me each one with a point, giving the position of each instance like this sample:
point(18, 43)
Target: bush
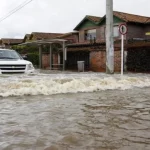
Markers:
point(34, 58)
point(24, 49)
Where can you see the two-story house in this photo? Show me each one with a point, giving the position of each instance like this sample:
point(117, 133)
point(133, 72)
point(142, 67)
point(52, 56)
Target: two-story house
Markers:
point(87, 43)
point(91, 46)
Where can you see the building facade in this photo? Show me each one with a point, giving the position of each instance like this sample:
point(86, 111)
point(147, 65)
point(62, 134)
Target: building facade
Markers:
point(91, 47)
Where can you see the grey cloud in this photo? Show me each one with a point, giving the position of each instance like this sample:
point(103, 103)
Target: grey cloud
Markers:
point(59, 15)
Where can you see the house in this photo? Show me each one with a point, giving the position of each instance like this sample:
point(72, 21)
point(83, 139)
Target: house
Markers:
point(8, 43)
point(71, 37)
point(26, 38)
point(41, 36)
point(91, 46)
point(80, 51)
point(137, 25)
point(87, 43)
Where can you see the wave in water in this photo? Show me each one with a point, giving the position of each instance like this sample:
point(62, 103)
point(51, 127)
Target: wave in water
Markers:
point(49, 86)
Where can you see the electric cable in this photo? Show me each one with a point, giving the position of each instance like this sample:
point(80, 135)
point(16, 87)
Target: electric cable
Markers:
point(16, 9)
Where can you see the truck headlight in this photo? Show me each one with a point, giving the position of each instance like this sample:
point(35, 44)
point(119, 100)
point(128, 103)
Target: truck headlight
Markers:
point(30, 67)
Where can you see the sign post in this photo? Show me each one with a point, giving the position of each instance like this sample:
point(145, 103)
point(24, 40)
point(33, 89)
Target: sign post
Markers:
point(123, 31)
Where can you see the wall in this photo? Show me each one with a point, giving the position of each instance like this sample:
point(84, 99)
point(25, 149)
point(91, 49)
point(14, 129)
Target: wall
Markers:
point(98, 61)
point(86, 25)
point(135, 31)
point(45, 61)
point(74, 38)
point(101, 33)
point(102, 30)
point(102, 27)
point(82, 33)
point(147, 29)
point(81, 36)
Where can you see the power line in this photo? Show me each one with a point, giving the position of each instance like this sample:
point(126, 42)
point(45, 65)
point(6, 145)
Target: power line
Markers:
point(15, 10)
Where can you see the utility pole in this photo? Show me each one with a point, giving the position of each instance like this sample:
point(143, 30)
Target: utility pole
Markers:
point(109, 38)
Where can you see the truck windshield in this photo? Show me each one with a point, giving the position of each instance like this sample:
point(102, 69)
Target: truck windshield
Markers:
point(9, 54)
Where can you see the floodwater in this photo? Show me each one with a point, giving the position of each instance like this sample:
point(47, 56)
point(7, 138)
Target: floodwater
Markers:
point(80, 111)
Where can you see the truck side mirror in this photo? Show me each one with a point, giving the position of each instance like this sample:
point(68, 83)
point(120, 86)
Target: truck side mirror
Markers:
point(25, 57)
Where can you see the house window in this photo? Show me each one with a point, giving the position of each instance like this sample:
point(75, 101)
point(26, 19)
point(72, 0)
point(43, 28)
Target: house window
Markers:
point(90, 34)
point(116, 31)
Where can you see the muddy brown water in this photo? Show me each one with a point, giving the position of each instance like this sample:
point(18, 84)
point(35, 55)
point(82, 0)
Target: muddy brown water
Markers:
point(102, 120)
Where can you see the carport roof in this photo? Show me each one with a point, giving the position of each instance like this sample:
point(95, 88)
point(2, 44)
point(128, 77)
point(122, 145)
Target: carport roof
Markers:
point(41, 42)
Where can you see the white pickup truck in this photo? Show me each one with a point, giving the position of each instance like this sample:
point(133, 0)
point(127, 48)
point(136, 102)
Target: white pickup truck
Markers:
point(12, 62)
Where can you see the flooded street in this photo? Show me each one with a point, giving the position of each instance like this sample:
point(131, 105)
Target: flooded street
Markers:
point(75, 112)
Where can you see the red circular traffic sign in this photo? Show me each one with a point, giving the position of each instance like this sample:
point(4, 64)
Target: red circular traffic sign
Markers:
point(123, 29)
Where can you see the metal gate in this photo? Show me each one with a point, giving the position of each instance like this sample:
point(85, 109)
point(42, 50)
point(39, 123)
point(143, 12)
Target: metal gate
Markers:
point(74, 57)
point(138, 60)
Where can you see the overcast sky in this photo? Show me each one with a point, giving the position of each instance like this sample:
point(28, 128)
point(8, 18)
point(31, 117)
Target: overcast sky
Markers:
point(58, 16)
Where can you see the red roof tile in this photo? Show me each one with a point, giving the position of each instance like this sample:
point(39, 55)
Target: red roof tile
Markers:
point(94, 18)
point(131, 17)
point(41, 35)
point(67, 34)
point(11, 41)
point(26, 37)
point(136, 44)
point(86, 43)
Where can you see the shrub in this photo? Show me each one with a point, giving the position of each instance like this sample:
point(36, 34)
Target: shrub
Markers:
point(34, 58)
point(25, 49)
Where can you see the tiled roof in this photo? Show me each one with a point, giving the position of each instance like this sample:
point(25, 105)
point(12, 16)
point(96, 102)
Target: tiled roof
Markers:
point(101, 42)
point(140, 43)
point(41, 35)
point(94, 18)
point(86, 43)
point(131, 17)
point(67, 34)
point(87, 46)
point(27, 35)
point(124, 16)
point(11, 41)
